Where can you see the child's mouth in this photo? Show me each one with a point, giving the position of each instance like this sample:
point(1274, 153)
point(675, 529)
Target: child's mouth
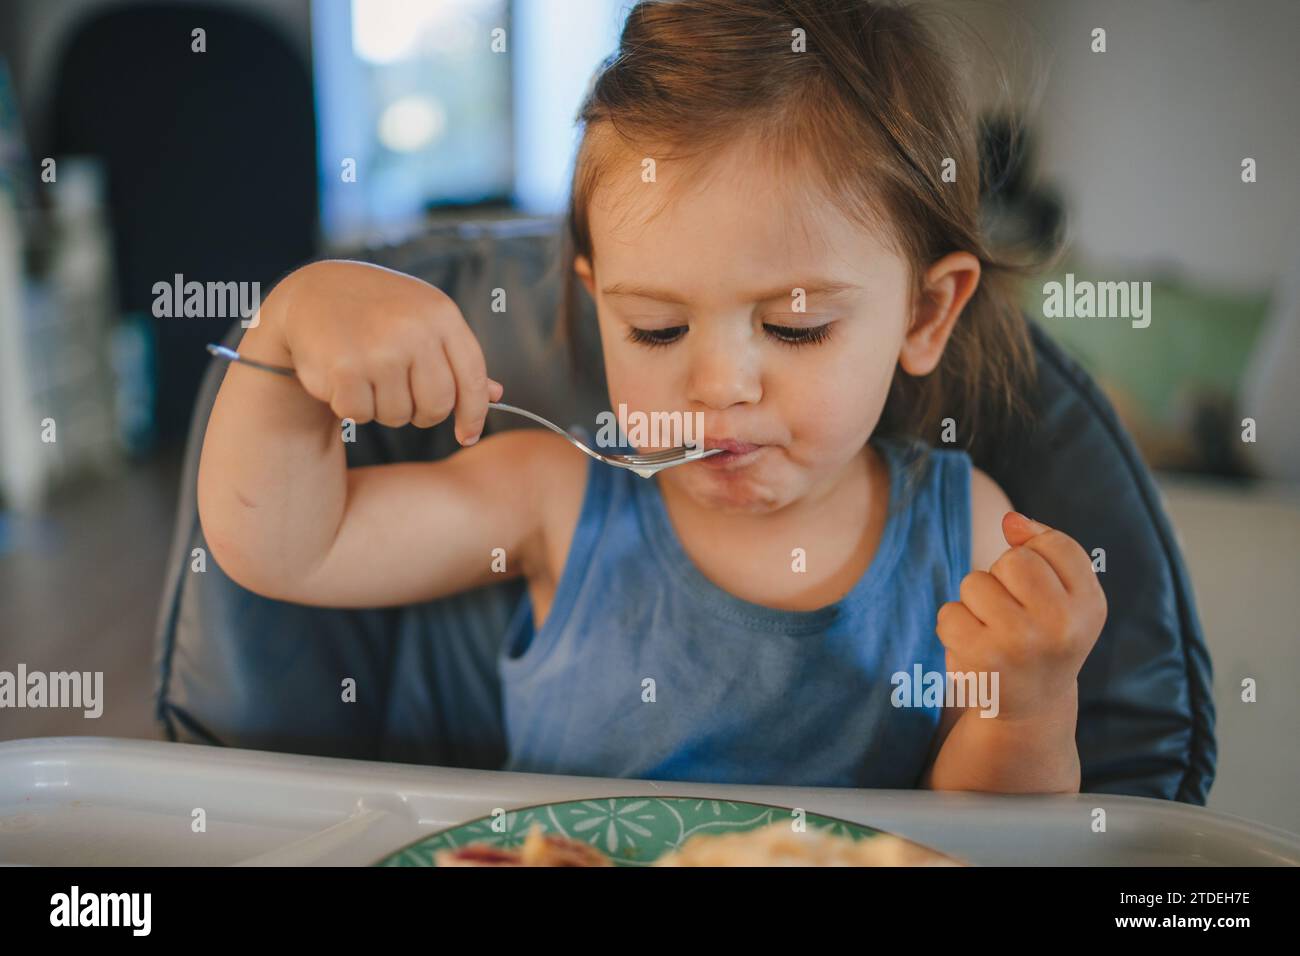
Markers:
point(735, 453)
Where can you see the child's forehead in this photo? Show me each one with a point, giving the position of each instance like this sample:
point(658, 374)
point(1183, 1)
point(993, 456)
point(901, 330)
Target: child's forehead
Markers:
point(705, 214)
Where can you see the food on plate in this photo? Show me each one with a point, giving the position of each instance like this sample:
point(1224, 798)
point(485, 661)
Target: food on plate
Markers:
point(778, 844)
point(538, 849)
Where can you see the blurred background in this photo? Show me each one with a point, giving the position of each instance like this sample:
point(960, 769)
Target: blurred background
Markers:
point(125, 159)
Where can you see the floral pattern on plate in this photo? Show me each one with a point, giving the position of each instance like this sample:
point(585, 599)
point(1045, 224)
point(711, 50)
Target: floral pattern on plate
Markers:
point(631, 831)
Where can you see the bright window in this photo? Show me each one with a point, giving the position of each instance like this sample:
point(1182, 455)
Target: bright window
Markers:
point(417, 108)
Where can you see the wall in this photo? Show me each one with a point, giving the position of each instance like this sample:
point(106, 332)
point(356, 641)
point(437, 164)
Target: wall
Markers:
point(1147, 139)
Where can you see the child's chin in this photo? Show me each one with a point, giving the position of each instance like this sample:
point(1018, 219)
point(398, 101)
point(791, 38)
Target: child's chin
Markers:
point(732, 493)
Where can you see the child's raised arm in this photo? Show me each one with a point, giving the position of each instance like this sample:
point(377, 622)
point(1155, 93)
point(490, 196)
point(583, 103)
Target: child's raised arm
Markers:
point(282, 513)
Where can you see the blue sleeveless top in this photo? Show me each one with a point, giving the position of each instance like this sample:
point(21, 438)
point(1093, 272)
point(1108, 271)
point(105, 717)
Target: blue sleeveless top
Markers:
point(741, 693)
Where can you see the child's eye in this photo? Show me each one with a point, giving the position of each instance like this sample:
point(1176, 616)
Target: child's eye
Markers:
point(790, 335)
point(655, 337)
point(787, 335)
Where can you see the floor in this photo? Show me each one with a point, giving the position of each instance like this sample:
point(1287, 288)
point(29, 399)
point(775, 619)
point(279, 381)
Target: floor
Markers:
point(94, 566)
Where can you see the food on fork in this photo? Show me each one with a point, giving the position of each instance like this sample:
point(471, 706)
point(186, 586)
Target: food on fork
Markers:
point(538, 849)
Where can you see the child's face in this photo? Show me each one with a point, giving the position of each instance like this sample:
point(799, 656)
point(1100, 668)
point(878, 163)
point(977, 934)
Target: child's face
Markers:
point(716, 273)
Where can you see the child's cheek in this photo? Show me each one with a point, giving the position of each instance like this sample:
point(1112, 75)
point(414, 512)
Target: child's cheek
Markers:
point(631, 387)
point(842, 418)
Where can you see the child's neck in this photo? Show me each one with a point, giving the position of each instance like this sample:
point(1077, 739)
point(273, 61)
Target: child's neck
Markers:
point(855, 485)
point(837, 527)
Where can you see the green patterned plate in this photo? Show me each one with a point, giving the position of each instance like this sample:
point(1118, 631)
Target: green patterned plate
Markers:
point(631, 831)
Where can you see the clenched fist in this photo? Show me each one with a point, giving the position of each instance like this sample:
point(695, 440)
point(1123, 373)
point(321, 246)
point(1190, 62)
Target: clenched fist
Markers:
point(1033, 617)
point(375, 344)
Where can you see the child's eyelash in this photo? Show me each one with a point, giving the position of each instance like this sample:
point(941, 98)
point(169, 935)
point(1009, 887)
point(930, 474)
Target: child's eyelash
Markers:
point(654, 338)
point(800, 336)
point(785, 334)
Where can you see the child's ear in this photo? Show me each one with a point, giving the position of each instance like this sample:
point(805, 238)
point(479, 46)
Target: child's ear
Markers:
point(949, 284)
point(583, 268)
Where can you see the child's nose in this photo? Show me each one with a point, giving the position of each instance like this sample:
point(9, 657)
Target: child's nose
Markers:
point(724, 373)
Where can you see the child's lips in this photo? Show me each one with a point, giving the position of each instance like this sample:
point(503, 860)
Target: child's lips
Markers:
point(734, 453)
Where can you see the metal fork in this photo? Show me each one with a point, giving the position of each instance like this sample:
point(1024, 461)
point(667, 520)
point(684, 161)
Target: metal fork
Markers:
point(644, 465)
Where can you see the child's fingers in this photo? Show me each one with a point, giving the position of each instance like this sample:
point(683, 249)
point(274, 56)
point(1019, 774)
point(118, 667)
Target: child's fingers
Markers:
point(1067, 557)
point(352, 397)
point(958, 628)
point(1018, 528)
point(988, 599)
point(1028, 577)
point(393, 405)
point(315, 382)
point(432, 387)
point(466, 358)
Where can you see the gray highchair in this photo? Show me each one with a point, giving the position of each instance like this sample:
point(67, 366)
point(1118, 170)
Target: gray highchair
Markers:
point(239, 670)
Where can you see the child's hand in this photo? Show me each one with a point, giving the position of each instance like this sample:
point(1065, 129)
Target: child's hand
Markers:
point(1033, 617)
point(377, 344)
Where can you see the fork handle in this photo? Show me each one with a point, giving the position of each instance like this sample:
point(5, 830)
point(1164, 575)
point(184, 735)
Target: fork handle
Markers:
point(230, 355)
point(502, 406)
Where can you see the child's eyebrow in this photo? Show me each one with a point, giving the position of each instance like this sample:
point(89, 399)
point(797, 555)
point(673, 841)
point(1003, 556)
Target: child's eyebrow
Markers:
point(822, 287)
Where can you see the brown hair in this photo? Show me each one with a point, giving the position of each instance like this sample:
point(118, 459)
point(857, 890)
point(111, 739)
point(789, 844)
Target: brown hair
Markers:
point(876, 107)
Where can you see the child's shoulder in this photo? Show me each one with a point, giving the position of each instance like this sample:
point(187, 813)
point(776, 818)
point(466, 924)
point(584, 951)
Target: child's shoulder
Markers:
point(988, 502)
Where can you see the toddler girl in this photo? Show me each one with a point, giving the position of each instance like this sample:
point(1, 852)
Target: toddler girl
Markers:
point(775, 206)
